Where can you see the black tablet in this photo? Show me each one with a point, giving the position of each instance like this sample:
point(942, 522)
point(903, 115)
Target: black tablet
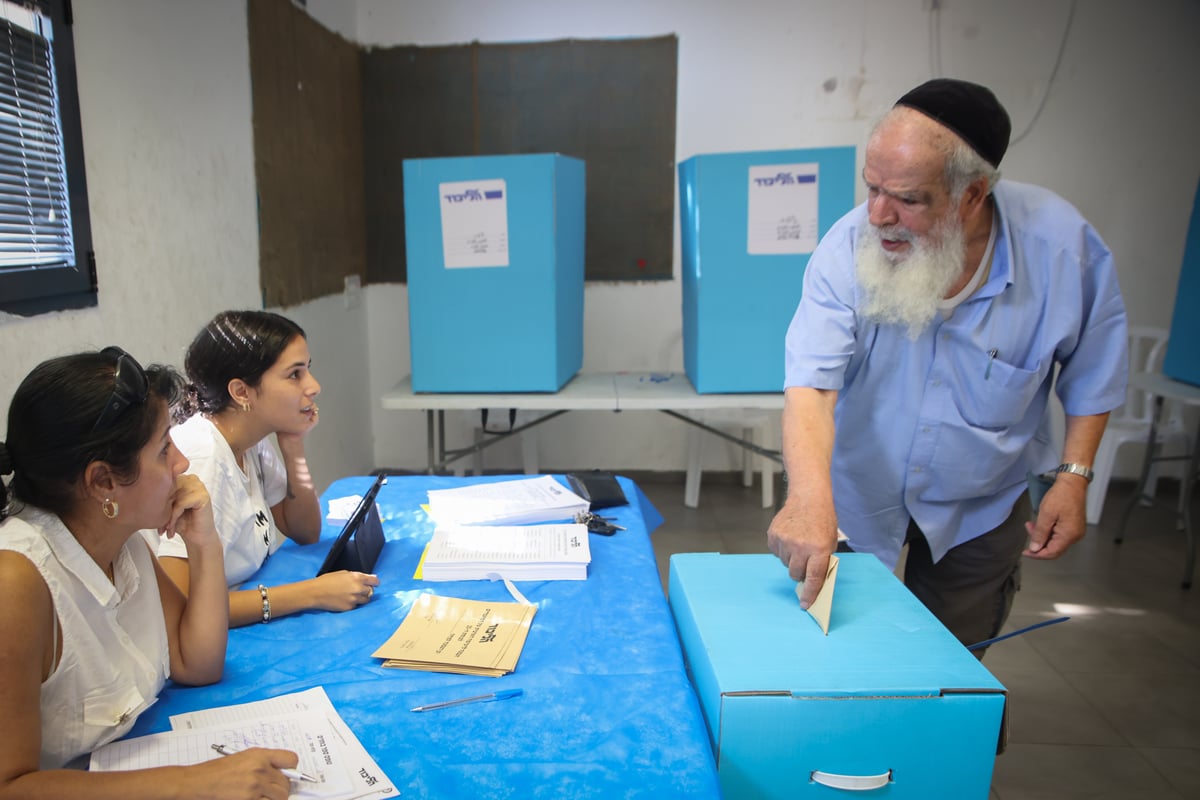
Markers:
point(357, 546)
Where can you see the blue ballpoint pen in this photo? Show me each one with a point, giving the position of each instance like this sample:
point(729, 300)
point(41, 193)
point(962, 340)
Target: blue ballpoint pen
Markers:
point(479, 698)
point(293, 774)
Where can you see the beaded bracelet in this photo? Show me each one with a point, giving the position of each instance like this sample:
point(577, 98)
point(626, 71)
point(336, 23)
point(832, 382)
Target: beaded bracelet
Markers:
point(266, 601)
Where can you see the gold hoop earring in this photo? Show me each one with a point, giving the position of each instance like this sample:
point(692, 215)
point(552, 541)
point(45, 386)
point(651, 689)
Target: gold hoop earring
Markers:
point(245, 405)
point(110, 508)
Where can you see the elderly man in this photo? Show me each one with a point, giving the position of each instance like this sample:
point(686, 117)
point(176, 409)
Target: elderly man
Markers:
point(920, 362)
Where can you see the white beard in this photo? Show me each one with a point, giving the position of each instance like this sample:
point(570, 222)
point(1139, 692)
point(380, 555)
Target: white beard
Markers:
point(905, 290)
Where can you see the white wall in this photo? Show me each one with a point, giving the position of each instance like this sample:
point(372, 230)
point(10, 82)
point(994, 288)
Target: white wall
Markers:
point(166, 107)
point(165, 103)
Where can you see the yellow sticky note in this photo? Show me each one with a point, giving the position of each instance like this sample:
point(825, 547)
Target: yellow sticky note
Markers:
point(823, 605)
point(419, 574)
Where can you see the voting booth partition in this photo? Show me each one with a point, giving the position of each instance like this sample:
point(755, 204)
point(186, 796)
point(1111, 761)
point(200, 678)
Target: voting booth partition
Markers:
point(495, 250)
point(888, 703)
point(1182, 361)
point(748, 223)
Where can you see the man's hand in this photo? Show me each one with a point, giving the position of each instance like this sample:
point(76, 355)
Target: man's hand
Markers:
point(803, 535)
point(1061, 518)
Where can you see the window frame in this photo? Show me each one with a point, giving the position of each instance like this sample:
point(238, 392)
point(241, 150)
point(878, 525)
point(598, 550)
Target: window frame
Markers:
point(30, 291)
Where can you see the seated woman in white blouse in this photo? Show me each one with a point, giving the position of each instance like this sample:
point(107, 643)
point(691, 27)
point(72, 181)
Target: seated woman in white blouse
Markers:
point(249, 378)
point(92, 626)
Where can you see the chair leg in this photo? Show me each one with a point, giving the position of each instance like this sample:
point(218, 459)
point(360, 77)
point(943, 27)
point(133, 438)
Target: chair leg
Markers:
point(529, 451)
point(1185, 517)
point(766, 466)
point(1151, 488)
point(695, 455)
point(477, 457)
point(1102, 467)
point(747, 459)
point(460, 466)
point(1152, 446)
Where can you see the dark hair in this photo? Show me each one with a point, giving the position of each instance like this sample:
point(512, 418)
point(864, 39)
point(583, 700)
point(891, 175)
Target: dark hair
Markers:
point(51, 420)
point(236, 344)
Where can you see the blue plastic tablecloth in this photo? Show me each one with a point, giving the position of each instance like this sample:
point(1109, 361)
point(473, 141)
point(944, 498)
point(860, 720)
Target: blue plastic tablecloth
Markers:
point(607, 710)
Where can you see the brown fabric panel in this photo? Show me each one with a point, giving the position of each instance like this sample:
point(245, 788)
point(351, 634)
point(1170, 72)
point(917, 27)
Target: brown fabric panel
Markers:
point(610, 103)
point(308, 148)
point(417, 103)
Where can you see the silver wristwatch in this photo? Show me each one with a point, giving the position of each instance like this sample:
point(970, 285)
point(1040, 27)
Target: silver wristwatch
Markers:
point(1077, 469)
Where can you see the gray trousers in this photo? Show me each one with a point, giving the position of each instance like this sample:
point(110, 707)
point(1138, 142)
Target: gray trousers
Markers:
point(971, 589)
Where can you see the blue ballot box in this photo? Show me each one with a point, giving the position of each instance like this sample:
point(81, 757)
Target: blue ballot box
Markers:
point(889, 698)
point(495, 272)
point(1182, 361)
point(748, 222)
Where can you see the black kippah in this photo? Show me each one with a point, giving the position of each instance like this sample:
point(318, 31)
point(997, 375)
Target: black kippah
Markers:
point(967, 109)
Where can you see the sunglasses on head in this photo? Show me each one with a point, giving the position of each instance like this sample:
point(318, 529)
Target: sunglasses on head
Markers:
point(129, 388)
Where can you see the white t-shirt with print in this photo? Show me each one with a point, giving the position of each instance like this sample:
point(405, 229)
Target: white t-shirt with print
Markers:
point(241, 499)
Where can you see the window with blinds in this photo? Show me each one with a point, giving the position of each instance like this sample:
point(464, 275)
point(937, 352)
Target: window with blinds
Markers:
point(45, 244)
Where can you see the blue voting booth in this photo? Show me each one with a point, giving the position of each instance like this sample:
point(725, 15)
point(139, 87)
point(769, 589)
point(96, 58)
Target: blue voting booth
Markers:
point(495, 272)
point(889, 703)
point(748, 223)
point(1182, 361)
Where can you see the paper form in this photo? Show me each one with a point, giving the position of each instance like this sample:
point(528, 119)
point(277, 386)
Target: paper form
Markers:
point(782, 209)
point(541, 499)
point(517, 552)
point(474, 223)
point(308, 735)
point(367, 779)
point(340, 508)
point(534, 543)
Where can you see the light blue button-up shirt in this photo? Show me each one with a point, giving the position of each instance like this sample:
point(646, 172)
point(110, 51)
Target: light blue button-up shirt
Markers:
point(943, 429)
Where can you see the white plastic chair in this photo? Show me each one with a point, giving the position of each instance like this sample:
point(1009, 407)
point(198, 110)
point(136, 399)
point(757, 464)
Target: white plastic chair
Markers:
point(529, 442)
point(1131, 422)
point(759, 427)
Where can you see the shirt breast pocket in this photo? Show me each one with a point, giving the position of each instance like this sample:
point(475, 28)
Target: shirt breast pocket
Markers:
point(115, 706)
point(993, 394)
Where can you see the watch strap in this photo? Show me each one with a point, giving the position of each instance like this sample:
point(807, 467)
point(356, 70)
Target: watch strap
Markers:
point(1077, 469)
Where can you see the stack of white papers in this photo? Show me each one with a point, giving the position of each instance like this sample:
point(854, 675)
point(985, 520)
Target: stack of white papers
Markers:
point(541, 499)
point(518, 553)
point(341, 508)
point(304, 722)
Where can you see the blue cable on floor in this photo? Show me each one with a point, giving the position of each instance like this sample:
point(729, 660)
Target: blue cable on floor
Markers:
point(1026, 629)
